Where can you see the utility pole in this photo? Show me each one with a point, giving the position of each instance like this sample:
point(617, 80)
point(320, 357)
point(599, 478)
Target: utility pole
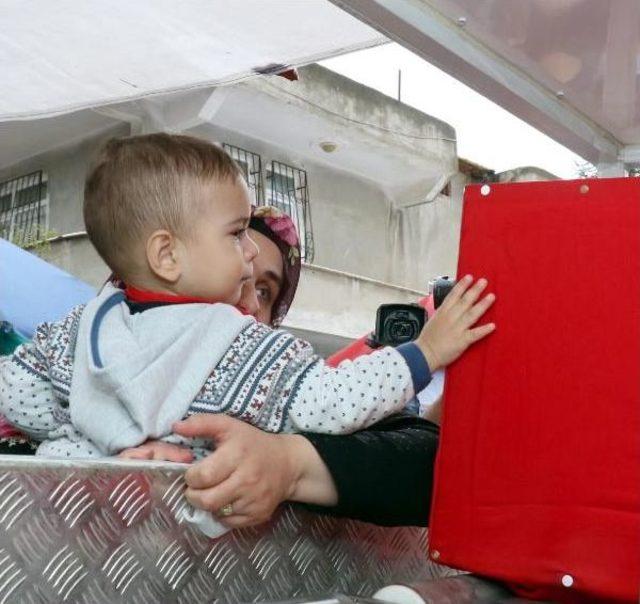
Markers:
point(399, 85)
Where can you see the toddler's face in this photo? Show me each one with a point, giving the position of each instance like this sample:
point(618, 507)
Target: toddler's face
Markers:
point(218, 258)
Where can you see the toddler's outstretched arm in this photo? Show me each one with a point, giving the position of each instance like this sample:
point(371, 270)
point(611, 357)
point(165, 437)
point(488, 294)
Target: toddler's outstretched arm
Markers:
point(358, 393)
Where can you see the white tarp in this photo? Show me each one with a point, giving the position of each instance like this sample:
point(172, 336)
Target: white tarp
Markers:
point(62, 56)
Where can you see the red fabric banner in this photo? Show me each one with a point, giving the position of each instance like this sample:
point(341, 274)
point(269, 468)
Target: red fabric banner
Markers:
point(538, 474)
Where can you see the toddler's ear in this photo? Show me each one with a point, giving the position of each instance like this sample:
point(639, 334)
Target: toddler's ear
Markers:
point(162, 256)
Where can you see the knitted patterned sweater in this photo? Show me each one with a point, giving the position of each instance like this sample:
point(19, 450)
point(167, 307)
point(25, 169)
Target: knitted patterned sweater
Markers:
point(265, 377)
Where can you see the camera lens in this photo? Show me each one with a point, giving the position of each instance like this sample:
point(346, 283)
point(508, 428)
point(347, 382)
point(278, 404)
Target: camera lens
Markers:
point(400, 327)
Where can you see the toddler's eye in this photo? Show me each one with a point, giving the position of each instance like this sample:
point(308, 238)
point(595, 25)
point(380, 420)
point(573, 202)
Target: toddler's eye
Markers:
point(240, 233)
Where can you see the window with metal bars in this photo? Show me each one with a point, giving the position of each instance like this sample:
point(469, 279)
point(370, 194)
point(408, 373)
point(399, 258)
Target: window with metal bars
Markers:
point(288, 191)
point(251, 165)
point(24, 208)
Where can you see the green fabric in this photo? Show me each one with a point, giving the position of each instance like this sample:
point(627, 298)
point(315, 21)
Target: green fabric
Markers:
point(9, 339)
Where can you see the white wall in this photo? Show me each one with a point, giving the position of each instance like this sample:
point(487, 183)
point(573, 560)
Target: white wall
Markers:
point(358, 229)
point(66, 169)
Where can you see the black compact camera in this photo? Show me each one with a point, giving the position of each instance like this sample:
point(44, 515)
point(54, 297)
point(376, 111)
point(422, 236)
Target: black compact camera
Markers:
point(439, 288)
point(400, 323)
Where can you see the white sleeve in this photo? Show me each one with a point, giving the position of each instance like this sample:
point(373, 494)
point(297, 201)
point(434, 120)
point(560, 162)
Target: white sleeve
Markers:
point(34, 390)
point(352, 396)
point(27, 397)
point(275, 382)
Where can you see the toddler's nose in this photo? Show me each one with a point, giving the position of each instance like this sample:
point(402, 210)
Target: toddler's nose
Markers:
point(249, 303)
point(251, 250)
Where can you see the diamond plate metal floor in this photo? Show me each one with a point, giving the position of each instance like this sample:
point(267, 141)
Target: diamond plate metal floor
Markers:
point(110, 532)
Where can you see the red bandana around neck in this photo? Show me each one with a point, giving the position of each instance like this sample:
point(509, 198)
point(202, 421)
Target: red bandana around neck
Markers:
point(142, 296)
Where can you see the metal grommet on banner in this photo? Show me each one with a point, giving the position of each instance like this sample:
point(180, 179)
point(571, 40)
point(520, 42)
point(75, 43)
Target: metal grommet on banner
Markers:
point(567, 580)
point(485, 190)
point(584, 189)
point(435, 554)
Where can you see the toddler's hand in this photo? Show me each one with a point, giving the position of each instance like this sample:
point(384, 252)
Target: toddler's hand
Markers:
point(450, 331)
point(158, 451)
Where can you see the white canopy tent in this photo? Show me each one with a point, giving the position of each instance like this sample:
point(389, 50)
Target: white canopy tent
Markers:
point(567, 67)
point(68, 55)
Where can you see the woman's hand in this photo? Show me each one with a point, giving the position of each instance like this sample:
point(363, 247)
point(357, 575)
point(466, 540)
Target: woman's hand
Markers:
point(252, 470)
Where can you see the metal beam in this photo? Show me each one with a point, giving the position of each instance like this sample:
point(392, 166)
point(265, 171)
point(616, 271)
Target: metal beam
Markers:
point(122, 114)
point(168, 115)
point(420, 27)
point(631, 154)
point(614, 169)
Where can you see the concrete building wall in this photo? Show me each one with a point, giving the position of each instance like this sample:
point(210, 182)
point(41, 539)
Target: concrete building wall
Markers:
point(358, 229)
point(66, 169)
point(526, 174)
point(351, 224)
point(349, 304)
point(428, 236)
point(77, 256)
point(350, 215)
point(362, 113)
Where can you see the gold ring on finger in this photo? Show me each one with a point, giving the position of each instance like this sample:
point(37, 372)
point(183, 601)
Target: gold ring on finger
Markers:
point(226, 510)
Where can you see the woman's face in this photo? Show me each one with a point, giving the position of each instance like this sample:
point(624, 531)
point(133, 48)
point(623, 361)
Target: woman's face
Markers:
point(262, 290)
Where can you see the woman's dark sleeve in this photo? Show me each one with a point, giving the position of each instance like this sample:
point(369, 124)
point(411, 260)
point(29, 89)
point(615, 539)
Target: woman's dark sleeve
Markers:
point(383, 474)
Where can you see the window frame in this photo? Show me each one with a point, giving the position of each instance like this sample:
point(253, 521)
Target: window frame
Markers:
point(18, 215)
point(252, 172)
point(294, 202)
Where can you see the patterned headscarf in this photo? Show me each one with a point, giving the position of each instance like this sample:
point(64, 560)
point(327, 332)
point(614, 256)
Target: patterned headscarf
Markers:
point(279, 228)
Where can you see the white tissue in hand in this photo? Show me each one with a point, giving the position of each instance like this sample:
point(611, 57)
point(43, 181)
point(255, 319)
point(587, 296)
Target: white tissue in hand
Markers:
point(205, 521)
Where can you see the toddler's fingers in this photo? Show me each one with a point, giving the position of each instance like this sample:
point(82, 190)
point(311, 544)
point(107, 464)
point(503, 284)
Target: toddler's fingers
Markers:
point(477, 310)
point(477, 333)
point(457, 292)
point(170, 452)
point(136, 453)
point(472, 294)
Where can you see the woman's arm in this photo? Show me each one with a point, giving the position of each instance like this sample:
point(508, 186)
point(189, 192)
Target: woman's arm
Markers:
point(384, 474)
